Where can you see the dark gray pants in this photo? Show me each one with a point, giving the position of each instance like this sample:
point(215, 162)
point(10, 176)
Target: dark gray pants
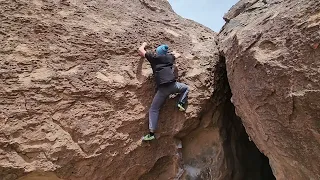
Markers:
point(161, 96)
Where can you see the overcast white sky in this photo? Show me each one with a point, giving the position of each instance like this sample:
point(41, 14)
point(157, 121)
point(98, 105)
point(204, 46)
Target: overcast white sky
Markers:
point(206, 12)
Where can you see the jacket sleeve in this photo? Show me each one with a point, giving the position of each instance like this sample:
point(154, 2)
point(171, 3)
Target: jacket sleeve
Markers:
point(149, 56)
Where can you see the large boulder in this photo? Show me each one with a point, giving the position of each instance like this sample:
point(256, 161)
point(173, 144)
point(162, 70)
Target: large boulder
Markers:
point(272, 54)
point(75, 94)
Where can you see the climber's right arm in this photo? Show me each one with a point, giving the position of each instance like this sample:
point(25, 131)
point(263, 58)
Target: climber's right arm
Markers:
point(176, 55)
point(142, 51)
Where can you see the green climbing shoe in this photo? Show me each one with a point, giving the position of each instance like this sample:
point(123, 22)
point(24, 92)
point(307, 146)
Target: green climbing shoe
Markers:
point(148, 137)
point(180, 107)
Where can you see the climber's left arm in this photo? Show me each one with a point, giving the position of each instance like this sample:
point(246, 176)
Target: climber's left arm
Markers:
point(142, 51)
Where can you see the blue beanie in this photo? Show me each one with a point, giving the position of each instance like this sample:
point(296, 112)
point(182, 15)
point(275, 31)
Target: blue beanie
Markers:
point(162, 50)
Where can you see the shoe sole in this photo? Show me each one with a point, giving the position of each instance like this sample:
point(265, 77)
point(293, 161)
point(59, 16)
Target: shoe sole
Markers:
point(181, 108)
point(148, 139)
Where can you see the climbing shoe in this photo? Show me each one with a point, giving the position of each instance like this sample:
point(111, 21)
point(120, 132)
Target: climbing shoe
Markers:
point(148, 137)
point(180, 107)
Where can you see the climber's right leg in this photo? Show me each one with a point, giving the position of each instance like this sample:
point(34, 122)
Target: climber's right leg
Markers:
point(154, 110)
point(183, 89)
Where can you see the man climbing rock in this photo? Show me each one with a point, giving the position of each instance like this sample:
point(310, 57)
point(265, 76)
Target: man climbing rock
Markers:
point(162, 67)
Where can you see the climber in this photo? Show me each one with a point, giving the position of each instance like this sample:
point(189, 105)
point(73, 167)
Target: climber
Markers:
point(162, 67)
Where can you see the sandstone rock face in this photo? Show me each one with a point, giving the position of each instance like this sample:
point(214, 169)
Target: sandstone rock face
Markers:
point(273, 59)
point(75, 95)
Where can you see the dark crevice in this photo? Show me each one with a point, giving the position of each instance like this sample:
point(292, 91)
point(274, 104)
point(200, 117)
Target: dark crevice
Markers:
point(242, 160)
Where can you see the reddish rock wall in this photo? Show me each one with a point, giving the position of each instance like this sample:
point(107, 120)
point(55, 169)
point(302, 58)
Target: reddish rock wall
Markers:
point(272, 55)
point(75, 95)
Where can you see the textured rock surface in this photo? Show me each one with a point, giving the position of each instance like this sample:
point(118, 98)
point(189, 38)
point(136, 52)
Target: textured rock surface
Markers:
point(273, 60)
point(74, 93)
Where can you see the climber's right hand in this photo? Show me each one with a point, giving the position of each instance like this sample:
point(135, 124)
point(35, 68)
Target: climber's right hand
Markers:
point(175, 54)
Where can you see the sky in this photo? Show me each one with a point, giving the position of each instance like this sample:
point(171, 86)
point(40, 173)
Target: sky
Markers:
point(205, 12)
